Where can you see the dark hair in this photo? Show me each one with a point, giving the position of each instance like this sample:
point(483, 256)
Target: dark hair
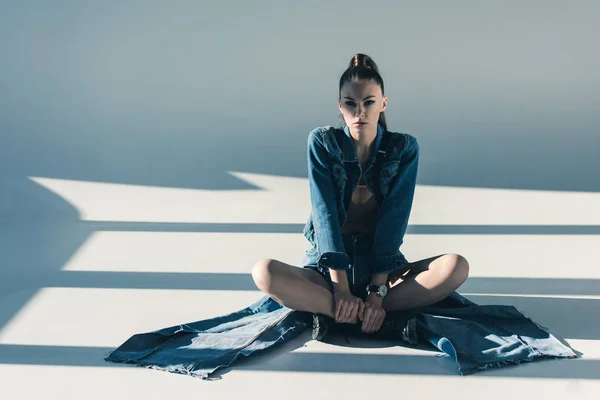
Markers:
point(362, 67)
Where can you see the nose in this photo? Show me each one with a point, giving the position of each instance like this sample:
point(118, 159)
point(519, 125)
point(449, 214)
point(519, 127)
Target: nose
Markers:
point(361, 112)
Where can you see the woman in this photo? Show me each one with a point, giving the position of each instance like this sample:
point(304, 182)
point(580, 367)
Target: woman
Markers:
point(374, 210)
point(362, 181)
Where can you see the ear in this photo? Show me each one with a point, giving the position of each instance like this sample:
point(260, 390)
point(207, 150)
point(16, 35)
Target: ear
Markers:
point(384, 105)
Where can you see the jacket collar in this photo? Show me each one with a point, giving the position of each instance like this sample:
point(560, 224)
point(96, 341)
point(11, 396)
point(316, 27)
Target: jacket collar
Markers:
point(349, 153)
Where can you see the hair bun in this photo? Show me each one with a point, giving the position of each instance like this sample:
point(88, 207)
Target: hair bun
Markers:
point(362, 60)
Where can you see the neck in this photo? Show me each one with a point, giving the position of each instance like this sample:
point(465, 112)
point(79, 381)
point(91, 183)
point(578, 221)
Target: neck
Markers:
point(363, 142)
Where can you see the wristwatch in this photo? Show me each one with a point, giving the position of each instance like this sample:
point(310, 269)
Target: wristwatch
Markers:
point(379, 290)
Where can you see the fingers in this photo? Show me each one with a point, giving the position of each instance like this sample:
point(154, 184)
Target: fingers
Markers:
point(338, 309)
point(347, 310)
point(353, 312)
point(352, 308)
point(361, 310)
point(357, 311)
point(341, 310)
point(378, 322)
point(366, 324)
point(373, 320)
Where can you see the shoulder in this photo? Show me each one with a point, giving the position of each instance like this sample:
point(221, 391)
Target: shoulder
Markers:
point(325, 136)
point(400, 143)
point(322, 132)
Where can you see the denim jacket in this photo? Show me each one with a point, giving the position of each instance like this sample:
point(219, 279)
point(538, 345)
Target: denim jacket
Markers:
point(334, 173)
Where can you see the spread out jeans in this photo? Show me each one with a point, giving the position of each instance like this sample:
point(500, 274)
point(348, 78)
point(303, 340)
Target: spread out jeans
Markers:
point(475, 336)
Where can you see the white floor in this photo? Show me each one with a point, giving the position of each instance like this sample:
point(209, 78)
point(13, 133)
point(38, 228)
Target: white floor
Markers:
point(135, 259)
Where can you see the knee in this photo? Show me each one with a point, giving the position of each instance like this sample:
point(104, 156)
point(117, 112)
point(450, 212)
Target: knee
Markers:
point(262, 274)
point(458, 268)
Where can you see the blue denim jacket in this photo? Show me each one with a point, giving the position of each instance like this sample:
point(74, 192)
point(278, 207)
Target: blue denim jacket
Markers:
point(334, 173)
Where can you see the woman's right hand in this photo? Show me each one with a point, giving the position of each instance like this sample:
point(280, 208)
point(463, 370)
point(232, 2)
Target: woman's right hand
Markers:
point(348, 307)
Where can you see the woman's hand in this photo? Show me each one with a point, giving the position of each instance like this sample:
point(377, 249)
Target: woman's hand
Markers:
point(347, 307)
point(374, 315)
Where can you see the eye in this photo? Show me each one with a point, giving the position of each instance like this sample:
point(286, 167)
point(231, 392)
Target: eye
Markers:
point(351, 103)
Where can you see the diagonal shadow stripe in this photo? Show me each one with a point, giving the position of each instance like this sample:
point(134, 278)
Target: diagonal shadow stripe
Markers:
point(313, 362)
point(504, 229)
point(236, 281)
point(418, 365)
point(297, 228)
point(533, 286)
point(152, 280)
point(54, 355)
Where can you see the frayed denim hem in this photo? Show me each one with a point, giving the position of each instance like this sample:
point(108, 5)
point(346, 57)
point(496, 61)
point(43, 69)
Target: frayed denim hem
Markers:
point(467, 369)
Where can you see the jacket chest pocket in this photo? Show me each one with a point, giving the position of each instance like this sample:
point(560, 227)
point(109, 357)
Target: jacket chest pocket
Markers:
point(388, 171)
point(339, 179)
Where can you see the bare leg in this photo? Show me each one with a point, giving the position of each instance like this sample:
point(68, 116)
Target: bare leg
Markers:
point(297, 288)
point(427, 282)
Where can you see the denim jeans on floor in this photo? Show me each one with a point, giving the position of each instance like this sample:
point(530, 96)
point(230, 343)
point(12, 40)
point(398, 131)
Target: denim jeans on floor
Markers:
point(477, 337)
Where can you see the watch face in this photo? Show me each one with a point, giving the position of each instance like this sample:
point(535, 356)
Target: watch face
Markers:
point(382, 290)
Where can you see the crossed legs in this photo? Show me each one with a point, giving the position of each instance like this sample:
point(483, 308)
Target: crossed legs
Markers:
point(423, 283)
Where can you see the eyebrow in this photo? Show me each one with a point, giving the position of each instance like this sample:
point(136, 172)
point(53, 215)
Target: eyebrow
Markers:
point(348, 97)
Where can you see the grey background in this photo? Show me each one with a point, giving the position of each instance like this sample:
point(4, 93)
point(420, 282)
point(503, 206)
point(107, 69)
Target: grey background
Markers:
point(500, 93)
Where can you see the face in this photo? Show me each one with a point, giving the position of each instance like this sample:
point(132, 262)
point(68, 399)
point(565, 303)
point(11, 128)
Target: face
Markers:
point(362, 101)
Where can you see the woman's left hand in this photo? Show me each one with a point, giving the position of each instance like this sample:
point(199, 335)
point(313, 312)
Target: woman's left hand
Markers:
point(373, 315)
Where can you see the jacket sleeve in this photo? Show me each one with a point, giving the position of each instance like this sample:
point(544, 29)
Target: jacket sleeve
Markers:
point(393, 220)
point(328, 233)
